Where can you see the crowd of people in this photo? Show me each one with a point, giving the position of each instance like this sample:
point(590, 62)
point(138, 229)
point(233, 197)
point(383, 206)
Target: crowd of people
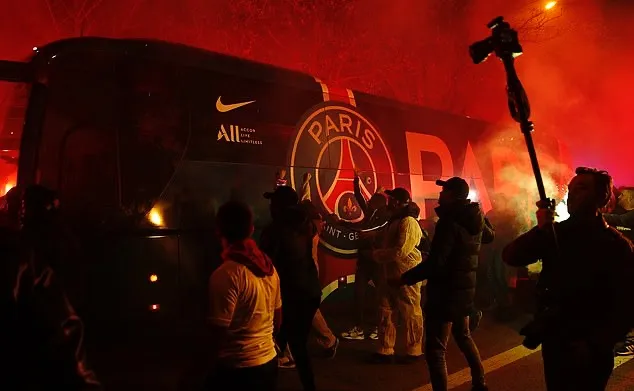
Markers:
point(265, 297)
point(582, 290)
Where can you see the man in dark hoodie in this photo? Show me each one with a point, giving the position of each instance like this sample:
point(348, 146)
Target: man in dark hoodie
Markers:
point(245, 307)
point(288, 240)
point(375, 218)
point(450, 271)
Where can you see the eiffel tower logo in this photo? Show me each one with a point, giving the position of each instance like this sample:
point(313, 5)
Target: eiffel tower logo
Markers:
point(340, 196)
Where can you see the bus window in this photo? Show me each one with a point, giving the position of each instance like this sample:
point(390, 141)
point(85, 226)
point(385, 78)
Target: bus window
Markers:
point(88, 174)
point(77, 152)
point(153, 135)
point(13, 98)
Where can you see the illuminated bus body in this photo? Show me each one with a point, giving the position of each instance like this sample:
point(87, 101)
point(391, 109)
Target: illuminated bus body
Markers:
point(144, 140)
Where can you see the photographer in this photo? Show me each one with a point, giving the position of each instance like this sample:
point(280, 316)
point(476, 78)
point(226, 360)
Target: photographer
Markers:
point(584, 286)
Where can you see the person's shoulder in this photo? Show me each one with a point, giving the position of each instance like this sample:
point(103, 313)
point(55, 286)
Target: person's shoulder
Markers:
point(620, 240)
point(274, 277)
point(410, 222)
point(230, 270)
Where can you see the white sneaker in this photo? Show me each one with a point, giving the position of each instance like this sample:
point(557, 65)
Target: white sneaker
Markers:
point(285, 363)
point(355, 333)
point(374, 334)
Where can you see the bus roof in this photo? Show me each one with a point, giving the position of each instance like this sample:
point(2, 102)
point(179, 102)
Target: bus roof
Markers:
point(188, 56)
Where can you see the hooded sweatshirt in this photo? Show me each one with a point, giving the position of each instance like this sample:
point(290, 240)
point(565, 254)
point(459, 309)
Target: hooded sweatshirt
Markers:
point(450, 269)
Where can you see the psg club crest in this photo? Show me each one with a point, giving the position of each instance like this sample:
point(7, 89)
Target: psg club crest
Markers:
point(331, 141)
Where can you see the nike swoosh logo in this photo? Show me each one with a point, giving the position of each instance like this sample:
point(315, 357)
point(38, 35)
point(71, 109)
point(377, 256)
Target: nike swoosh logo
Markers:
point(224, 108)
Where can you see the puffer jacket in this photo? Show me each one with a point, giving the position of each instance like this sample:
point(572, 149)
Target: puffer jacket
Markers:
point(450, 269)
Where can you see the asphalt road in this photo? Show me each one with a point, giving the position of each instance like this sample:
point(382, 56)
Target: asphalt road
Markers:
point(156, 364)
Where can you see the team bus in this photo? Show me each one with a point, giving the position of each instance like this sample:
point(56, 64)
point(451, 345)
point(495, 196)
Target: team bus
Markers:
point(143, 140)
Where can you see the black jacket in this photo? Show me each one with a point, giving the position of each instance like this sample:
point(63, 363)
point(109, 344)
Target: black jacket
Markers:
point(587, 280)
point(288, 242)
point(373, 224)
point(450, 269)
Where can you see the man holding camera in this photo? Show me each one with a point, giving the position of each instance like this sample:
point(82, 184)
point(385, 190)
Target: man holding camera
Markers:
point(584, 286)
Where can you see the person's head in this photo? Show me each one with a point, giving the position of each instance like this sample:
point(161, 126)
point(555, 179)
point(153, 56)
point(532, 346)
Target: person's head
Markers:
point(589, 191)
point(235, 222)
point(377, 201)
point(282, 198)
point(625, 198)
point(611, 205)
point(313, 215)
point(399, 198)
point(453, 190)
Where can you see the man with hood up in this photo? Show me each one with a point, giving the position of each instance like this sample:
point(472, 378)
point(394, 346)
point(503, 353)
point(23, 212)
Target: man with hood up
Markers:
point(450, 271)
point(398, 254)
point(288, 240)
point(245, 307)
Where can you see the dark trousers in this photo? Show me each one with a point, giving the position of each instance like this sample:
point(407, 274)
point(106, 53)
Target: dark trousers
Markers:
point(297, 319)
point(576, 366)
point(262, 377)
point(436, 339)
point(364, 274)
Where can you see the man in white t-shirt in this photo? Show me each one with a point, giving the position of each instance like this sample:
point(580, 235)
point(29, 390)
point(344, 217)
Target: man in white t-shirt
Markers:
point(245, 308)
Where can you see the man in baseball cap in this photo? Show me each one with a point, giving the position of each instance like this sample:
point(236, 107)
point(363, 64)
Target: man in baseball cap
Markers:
point(283, 196)
point(456, 187)
point(285, 240)
point(450, 271)
point(400, 195)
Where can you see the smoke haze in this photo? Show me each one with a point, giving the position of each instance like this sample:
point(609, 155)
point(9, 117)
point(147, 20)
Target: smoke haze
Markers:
point(576, 66)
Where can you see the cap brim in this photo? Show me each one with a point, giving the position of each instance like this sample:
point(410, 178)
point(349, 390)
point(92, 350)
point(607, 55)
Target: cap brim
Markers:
point(440, 183)
point(389, 192)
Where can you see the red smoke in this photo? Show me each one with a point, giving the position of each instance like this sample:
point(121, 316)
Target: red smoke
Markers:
point(576, 66)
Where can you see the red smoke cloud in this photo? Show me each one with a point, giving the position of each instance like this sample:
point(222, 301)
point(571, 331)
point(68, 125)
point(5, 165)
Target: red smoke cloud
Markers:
point(576, 66)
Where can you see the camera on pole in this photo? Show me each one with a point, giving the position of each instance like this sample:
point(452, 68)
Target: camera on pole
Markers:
point(506, 46)
point(504, 43)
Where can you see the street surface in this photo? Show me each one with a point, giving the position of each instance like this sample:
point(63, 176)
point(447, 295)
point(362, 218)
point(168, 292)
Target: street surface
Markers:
point(151, 363)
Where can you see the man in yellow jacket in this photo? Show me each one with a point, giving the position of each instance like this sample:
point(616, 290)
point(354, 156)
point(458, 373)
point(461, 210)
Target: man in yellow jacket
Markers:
point(398, 254)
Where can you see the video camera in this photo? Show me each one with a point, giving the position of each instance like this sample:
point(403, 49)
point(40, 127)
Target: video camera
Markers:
point(503, 41)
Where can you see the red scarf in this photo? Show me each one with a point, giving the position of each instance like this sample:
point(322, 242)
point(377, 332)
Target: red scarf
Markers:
point(248, 254)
